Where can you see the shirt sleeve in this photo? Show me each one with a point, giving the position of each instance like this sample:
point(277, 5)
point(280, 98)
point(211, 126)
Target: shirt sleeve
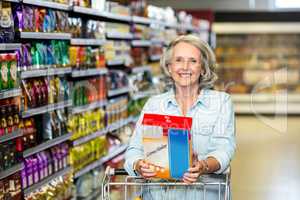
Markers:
point(222, 143)
point(135, 149)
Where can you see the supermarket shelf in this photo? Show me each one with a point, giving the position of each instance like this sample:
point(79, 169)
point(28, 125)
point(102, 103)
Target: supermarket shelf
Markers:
point(48, 4)
point(155, 58)
point(141, 43)
point(88, 107)
point(87, 138)
point(95, 12)
point(46, 108)
point(10, 171)
point(140, 95)
point(141, 20)
point(114, 153)
point(118, 124)
point(10, 136)
point(157, 41)
point(118, 91)
point(9, 46)
point(101, 161)
point(87, 41)
point(265, 98)
point(45, 72)
point(118, 35)
point(10, 93)
point(123, 18)
point(44, 36)
point(255, 27)
point(140, 69)
point(89, 72)
point(14, 1)
point(115, 62)
point(267, 108)
point(46, 145)
point(47, 180)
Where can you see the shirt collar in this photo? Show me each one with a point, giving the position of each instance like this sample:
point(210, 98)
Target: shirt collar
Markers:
point(202, 98)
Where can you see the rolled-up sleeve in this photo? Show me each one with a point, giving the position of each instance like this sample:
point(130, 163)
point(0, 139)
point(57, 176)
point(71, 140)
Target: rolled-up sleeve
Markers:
point(222, 142)
point(135, 149)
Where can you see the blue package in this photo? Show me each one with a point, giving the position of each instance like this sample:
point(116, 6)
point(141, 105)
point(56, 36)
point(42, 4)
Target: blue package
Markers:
point(179, 152)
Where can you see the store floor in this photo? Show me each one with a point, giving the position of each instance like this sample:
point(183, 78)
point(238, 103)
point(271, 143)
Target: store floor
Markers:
point(267, 162)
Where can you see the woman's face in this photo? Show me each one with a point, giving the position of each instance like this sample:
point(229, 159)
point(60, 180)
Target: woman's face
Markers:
point(185, 67)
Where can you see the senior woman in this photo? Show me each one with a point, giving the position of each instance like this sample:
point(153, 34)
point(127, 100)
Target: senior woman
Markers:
point(190, 63)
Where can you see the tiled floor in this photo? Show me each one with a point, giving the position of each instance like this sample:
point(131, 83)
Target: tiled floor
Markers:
point(267, 163)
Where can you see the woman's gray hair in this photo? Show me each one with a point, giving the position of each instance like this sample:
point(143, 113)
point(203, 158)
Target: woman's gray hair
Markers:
point(207, 56)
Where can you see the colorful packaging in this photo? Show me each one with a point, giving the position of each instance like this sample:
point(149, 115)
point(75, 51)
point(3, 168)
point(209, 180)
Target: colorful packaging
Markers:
point(164, 138)
point(6, 23)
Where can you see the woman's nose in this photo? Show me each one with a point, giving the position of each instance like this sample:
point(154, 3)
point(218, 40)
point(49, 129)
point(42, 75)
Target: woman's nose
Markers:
point(185, 64)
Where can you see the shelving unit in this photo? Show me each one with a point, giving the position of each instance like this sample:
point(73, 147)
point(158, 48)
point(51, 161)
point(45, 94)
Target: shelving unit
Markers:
point(10, 136)
point(46, 108)
point(139, 69)
point(88, 107)
point(46, 145)
point(48, 4)
point(10, 171)
point(141, 43)
point(87, 42)
point(115, 62)
point(116, 35)
point(9, 46)
point(45, 36)
point(10, 93)
point(89, 72)
point(90, 137)
point(73, 75)
point(100, 162)
point(103, 14)
point(45, 72)
point(118, 91)
point(119, 124)
point(47, 180)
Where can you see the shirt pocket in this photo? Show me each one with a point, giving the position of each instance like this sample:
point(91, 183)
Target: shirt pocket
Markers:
point(201, 137)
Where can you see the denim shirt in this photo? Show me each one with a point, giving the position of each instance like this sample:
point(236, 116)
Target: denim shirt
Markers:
point(213, 126)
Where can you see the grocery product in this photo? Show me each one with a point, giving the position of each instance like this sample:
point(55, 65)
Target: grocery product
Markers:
point(84, 154)
point(10, 187)
point(59, 188)
point(165, 139)
point(36, 19)
point(86, 57)
point(116, 110)
point(8, 71)
point(7, 32)
point(88, 91)
point(86, 123)
point(44, 164)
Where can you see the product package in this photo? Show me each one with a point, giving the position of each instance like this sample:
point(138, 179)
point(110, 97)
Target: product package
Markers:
point(167, 144)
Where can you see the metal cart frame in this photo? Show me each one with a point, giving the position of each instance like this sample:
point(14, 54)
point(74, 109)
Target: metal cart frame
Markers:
point(220, 181)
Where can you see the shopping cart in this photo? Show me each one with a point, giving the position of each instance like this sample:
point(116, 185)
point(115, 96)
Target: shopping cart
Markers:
point(209, 187)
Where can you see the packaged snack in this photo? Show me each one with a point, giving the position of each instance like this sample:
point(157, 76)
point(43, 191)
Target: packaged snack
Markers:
point(167, 144)
point(28, 18)
point(4, 72)
point(6, 23)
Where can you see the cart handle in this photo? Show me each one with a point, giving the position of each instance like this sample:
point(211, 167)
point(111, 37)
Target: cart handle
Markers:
point(115, 172)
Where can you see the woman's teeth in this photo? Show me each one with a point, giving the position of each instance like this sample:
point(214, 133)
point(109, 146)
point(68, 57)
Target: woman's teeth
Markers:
point(185, 74)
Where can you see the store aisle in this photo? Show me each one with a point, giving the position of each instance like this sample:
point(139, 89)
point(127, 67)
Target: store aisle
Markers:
point(266, 166)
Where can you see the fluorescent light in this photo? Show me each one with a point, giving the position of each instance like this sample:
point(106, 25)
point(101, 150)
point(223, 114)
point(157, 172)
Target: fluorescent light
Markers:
point(287, 3)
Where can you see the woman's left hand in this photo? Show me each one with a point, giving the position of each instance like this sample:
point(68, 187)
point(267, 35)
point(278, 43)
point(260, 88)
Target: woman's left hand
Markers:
point(193, 173)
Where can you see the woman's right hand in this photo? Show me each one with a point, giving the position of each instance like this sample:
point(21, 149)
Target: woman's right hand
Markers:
point(144, 168)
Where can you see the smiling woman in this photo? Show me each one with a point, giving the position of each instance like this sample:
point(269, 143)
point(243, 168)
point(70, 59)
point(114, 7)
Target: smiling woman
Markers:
point(190, 63)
